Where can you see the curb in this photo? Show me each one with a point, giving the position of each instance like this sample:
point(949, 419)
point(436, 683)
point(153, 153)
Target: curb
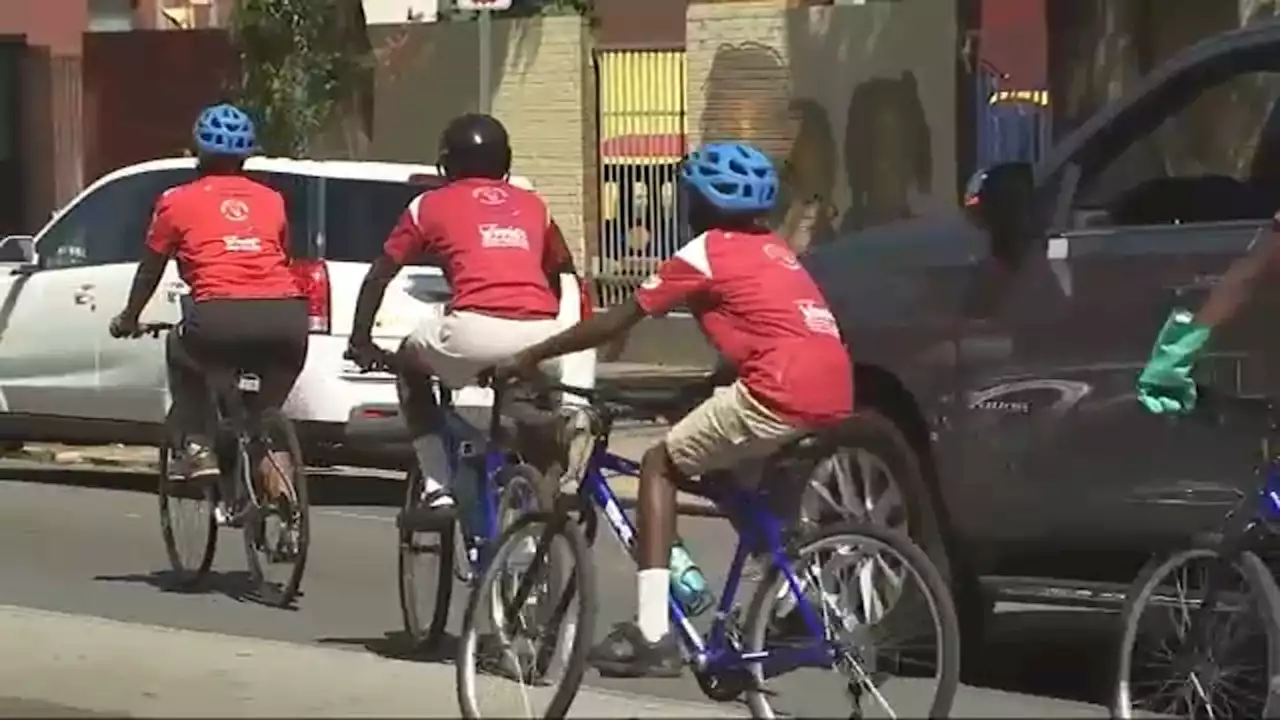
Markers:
point(64, 455)
point(146, 461)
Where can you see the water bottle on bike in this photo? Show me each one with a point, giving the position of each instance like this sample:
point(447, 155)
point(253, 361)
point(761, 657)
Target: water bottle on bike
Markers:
point(688, 584)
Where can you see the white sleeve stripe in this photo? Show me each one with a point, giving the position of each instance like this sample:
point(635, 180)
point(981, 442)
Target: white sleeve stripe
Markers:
point(413, 210)
point(695, 253)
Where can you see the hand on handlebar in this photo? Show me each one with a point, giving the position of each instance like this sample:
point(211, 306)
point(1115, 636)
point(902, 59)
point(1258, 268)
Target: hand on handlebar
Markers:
point(369, 357)
point(511, 370)
point(123, 326)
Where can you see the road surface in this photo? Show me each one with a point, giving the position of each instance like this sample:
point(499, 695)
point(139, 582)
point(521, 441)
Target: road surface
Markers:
point(83, 553)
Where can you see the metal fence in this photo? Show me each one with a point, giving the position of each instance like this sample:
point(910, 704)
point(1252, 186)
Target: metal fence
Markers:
point(1014, 124)
point(642, 138)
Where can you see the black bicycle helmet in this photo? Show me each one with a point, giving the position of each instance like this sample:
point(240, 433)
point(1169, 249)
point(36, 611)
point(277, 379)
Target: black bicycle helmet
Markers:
point(475, 145)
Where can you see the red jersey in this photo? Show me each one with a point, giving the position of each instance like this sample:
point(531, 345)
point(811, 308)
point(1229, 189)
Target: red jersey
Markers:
point(229, 235)
point(496, 243)
point(763, 312)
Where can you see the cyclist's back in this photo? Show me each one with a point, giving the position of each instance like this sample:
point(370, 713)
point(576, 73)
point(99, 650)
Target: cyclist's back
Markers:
point(503, 255)
point(762, 311)
point(230, 238)
point(496, 244)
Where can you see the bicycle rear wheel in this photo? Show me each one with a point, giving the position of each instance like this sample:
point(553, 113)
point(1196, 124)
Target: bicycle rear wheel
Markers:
point(541, 627)
point(1167, 621)
point(277, 534)
point(836, 569)
point(187, 519)
point(425, 609)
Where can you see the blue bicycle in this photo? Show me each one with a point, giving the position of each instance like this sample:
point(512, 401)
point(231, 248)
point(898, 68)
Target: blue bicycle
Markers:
point(1201, 625)
point(796, 619)
point(492, 486)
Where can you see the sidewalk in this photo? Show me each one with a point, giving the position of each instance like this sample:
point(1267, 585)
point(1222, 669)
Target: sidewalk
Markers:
point(71, 665)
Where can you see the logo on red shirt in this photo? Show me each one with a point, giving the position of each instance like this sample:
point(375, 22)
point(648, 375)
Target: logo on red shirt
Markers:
point(493, 235)
point(489, 195)
point(234, 209)
point(782, 255)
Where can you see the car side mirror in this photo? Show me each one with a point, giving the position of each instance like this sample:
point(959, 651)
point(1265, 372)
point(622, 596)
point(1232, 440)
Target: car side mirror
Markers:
point(999, 199)
point(17, 249)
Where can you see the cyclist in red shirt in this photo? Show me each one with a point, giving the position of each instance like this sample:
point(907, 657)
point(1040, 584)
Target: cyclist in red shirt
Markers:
point(503, 256)
point(763, 312)
point(230, 237)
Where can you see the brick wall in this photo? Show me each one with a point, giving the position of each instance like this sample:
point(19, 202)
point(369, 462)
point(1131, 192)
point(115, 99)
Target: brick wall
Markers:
point(546, 100)
point(544, 93)
point(857, 104)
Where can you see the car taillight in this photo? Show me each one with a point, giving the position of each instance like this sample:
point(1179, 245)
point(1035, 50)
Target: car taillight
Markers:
point(586, 308)
point(313, 279)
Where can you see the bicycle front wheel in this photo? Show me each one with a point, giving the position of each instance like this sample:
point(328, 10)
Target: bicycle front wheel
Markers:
point(530, 651)
point(187, 519)
point(277, 531)
point(1201, 638)
point(859, 580)
point(426, 559)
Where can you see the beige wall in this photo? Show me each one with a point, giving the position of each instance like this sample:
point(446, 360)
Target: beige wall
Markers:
point(547, 104)
point(855, 103)
point(542, 90)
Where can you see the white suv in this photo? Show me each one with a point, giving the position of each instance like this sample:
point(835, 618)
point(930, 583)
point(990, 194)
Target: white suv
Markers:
point(63, 378)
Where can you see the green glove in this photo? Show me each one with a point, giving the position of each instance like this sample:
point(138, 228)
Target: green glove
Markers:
point(1166, 385)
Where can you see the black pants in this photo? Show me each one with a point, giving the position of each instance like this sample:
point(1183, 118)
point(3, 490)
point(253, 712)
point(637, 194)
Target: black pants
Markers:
point(220, 338)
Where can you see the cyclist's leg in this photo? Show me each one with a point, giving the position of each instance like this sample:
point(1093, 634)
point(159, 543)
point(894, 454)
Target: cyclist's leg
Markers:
point(726, 429)
point(191, 402)
point(454, 348)
point(277, 356)
point(422, 414)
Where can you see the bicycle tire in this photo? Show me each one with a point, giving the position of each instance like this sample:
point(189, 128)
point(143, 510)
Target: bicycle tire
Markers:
point(425, 638)
point(581, 583)
point(275, 425)
point(1141, 592)
point(187, 577)
point(936, 594)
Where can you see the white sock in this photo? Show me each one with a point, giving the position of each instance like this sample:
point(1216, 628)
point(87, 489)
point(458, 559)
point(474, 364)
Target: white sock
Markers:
point(435, 468)
point(652, 611)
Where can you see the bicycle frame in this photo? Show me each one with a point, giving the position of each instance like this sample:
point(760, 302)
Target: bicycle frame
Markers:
point(457, 434)
point(716, 651)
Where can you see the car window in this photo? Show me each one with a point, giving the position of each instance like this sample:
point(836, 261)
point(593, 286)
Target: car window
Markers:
point(359, 214)
point(108, 225)
point(1213, 159)
point(296, 206)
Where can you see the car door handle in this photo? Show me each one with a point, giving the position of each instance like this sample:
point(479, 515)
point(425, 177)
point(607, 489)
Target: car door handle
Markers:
point(83, 295)
point(1197, 284)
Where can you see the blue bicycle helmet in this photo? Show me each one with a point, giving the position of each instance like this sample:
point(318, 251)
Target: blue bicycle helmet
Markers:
point(733, 177)
point(224, 130)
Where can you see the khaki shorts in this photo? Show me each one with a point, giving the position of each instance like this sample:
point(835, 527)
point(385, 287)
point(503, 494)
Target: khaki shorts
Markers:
point(457, 346)
point(728, 428)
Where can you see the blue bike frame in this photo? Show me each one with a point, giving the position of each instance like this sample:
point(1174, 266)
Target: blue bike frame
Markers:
point(716, 652)
point(457, 434)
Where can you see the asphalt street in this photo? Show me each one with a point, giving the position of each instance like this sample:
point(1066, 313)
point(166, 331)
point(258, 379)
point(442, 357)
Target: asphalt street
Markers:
point(96, 551)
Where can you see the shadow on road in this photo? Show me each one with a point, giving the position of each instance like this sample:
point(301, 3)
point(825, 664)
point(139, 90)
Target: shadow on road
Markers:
point(237, 584)
point(400, 646)
point(1062, 653)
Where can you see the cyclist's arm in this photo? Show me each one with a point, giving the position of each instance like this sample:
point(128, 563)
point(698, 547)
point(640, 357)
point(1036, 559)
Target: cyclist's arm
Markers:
point(162, 241)
point(679, 277)
point(405, 240)
point(1242, 279)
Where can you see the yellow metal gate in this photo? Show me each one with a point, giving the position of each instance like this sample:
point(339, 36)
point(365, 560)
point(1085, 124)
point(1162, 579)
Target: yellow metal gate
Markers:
point(642, 138)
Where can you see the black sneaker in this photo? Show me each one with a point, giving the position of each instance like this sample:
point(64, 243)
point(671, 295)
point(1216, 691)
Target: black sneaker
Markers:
point(625, 653)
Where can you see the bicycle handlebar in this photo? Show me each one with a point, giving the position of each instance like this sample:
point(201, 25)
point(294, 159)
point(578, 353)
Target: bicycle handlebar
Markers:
point(153, 329)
